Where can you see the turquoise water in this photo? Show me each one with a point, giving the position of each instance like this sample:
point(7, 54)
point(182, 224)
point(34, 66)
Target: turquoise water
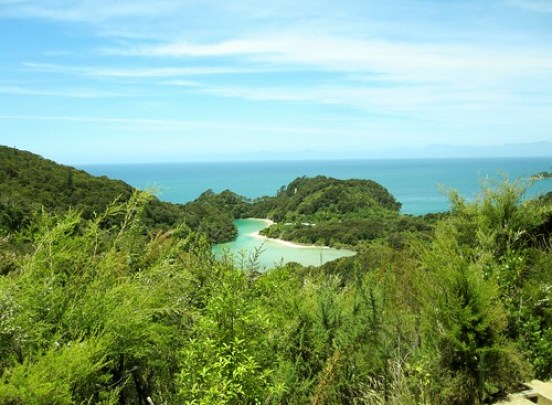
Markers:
point(272, 252)
point(417, 183)
point(420, 185)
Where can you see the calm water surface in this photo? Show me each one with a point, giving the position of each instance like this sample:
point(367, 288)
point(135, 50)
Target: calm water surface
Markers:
point(419, 184)
point(272, 252)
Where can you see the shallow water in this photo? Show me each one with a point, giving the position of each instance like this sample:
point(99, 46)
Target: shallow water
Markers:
point(271, 251)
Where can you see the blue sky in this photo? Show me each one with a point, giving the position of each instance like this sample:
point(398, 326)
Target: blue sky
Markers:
point(98, 81)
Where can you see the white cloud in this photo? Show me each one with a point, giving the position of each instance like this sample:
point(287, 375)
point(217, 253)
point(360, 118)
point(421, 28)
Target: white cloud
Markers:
point(398, 60)
point(385, 77)
point(376, 76)
point(408, 61)
point(429, 102)
point(89, 10)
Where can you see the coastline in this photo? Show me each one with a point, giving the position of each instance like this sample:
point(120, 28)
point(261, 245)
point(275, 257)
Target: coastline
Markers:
point(276, 251)
point(278, 241)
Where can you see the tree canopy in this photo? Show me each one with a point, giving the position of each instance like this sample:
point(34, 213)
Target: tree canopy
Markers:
point(29, 183)
point(103, 309)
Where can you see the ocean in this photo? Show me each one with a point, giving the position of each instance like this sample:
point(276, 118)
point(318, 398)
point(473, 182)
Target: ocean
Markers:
point(421, 185)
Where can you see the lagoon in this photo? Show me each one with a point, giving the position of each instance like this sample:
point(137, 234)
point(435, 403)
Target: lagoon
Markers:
point(273, 251)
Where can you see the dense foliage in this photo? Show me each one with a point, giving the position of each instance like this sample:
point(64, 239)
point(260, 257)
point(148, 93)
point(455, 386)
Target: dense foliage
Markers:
point(213, 215)
point(108, 303)
point(115, 315)
point(29, 183)
point(327, 211)
point(324, 198)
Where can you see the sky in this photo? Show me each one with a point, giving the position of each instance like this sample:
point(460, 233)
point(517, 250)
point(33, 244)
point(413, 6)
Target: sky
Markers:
point(117, 81)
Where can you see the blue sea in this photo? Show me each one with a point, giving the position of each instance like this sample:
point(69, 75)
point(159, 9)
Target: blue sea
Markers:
point(421, 185)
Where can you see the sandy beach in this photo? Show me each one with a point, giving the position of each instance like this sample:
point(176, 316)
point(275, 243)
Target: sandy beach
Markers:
point(276, 251)
point(281, 242)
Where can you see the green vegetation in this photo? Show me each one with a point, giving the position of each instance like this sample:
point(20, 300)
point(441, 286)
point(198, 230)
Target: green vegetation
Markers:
point(542, 175)
point(29, 183)
point(213, 214)
point(318, 210)
point(324, 198)
point(103, 309)
point(327, 211)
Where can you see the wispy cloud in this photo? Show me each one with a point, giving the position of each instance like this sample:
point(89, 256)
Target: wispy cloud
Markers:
point(377, 76)
point(171, 124)
point(380, 75)
point(180, 83)
point(432, 103)
point(69, 93)
point(130, 72)
point(392, 61)
point(87, 10)
point(420, 68)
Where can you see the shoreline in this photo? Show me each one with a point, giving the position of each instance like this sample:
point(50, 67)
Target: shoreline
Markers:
point(278, 241)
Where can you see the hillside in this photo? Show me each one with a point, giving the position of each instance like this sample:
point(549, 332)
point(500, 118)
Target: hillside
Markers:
point(319, 210)
point(327, 211)
point(324, 198)
point(29, 183)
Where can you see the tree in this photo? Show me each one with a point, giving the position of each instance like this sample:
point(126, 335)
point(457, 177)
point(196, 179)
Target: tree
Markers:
point(469, 298)
point(93, 314)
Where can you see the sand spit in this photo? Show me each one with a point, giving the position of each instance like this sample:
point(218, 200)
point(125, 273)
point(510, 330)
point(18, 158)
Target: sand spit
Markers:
point(281, 242)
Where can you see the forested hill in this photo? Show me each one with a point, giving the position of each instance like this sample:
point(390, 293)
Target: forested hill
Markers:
point(323, 198)
point(328, 211)
point(29, 183)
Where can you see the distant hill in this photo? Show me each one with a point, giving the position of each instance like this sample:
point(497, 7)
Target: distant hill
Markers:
point(535, 149)
point(29, 182)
